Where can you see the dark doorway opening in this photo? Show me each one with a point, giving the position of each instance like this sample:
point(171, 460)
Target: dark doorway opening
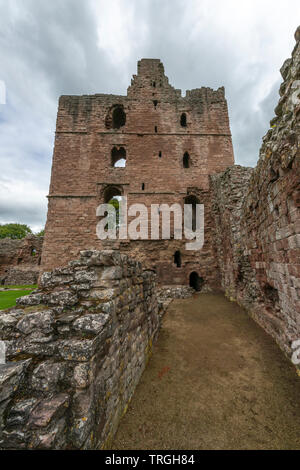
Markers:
point(177, 259)
point(271, 293)
point(196, 282)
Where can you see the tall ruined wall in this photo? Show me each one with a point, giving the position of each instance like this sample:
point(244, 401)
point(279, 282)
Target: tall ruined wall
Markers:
point(20, 260)
point(155, 141)
point(257, 214)
point(77, 349)
point(228, 193)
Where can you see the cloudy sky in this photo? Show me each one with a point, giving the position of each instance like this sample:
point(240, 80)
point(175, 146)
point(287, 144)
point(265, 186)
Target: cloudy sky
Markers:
point(49, 48)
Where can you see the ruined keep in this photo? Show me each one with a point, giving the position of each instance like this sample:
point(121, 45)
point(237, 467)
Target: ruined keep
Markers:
point(171, 145)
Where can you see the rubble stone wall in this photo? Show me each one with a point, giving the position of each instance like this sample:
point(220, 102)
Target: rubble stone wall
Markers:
point(257, 220)
point(76, 349)
point(20, 260)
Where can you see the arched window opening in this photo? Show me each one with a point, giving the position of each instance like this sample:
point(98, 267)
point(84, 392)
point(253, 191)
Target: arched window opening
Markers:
point(155, 102)
point(154, 84)
point(186, 160)
point(160, 154)
point(193, 201)
point(183, 122)
point(196, 282)
point(118, 117)
point(177, 259)
point(143, 186)
point(118, 157)
point(115, 117)
point(110, 193)
point(113, 197)
point(155, 129)
point(33, 252)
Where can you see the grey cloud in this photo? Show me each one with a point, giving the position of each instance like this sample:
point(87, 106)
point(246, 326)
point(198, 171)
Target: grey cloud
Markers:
point(46, 49)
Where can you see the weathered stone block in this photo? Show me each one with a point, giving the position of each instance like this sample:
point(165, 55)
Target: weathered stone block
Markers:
point(11, 377)
point(47, 376)
point(48, 410)
point(91, 324)
point(20, 411)
point(42, 321)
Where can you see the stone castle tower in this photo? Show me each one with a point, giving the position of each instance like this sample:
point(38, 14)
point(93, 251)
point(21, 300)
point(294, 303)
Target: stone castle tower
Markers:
point(170, 144)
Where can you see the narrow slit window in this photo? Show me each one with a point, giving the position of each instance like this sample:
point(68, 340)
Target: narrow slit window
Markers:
point(193, 201)
point(177, 259)
point(160, 154)
point(143, 186)
point(186, 160)
point(183, 122)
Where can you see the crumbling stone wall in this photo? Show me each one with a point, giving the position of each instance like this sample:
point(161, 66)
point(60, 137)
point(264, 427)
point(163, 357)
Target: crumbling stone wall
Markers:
point(228, 191)
point(20, 260)
point(77, 348)
point(257, 214)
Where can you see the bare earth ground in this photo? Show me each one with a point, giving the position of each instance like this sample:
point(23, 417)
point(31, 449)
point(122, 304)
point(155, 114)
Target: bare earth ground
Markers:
point(215, 381)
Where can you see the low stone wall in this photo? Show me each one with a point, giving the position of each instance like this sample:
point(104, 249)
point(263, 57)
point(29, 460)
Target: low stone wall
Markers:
point(20, 277)
point(175, 292)
point(77, 348)
point(257, 221)
point(20, 260)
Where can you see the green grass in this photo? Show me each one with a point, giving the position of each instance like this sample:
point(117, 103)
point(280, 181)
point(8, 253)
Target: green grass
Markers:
point(31, 286)
point(8, 298)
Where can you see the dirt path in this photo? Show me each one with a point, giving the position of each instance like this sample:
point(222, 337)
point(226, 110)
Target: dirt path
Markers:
point(215, 381)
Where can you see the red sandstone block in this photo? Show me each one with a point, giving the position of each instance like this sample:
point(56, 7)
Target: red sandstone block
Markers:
point(294, 241)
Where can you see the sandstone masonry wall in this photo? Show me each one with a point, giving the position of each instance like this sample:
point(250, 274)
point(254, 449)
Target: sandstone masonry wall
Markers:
point(77, 348)
point(257, 220)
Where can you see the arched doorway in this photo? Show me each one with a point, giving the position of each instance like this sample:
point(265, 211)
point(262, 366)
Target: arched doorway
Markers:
point(196, 282)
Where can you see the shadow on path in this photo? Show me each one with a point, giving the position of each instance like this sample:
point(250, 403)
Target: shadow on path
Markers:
point(215, 381)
